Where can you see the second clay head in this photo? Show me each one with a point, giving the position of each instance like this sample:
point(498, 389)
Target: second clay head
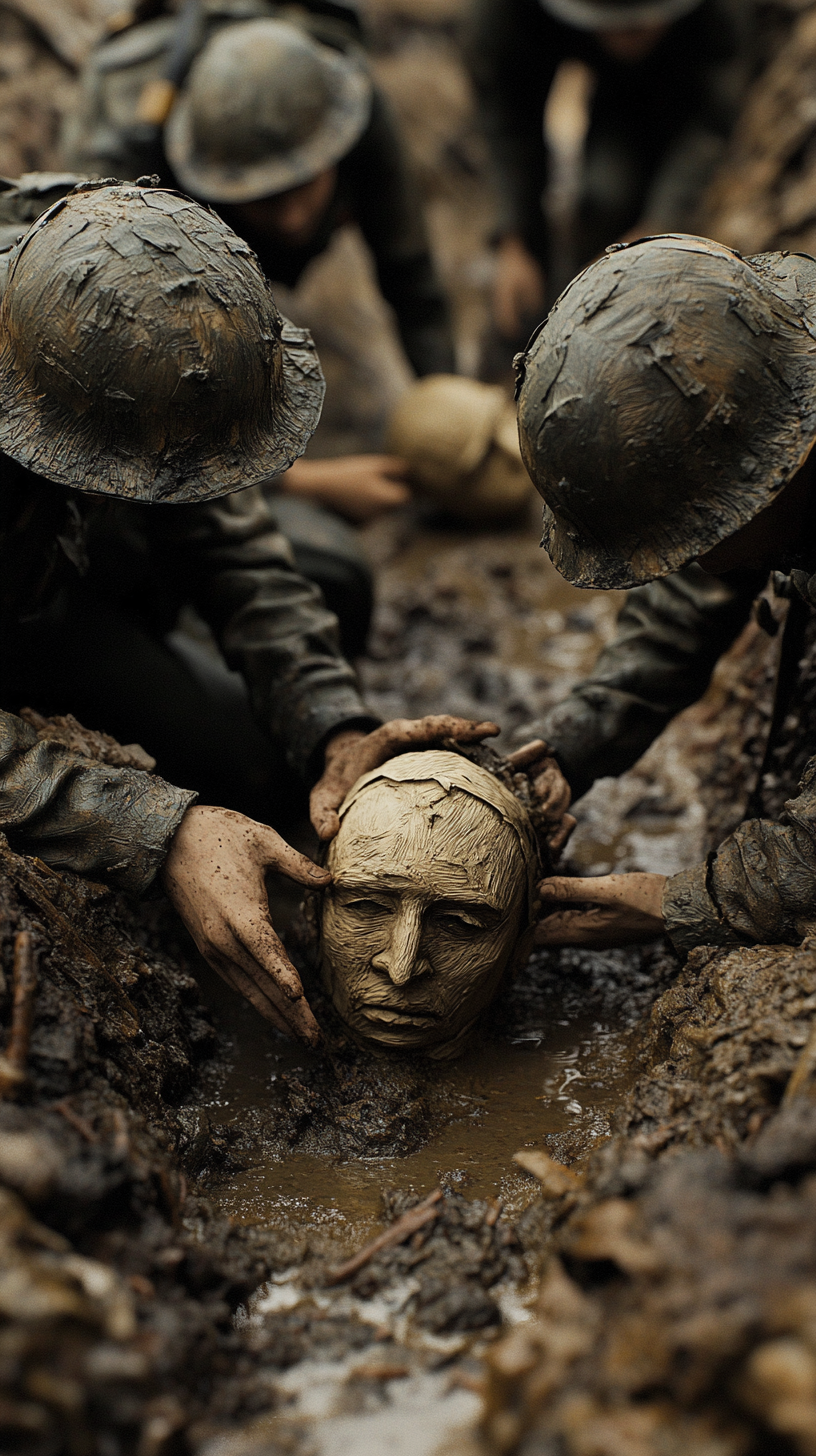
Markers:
point(434, 870)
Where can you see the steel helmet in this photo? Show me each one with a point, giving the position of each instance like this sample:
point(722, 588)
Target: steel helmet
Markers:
point(667, 399)
point(618, 14)
point(265, 108)
point(142, 355)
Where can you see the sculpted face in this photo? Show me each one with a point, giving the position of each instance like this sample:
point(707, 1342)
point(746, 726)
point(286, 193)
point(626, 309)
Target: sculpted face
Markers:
point(432, 871)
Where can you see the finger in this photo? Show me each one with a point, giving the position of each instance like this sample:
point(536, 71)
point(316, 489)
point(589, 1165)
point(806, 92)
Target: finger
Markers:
point(280, 856)
point(266, 968)
point(575, 927)
point(529, 753)
point(559, 839)
point(566, 887)
point(392, 465)
point(323, 804)
point(430, 728)
point(238, 981)
point(552, 791)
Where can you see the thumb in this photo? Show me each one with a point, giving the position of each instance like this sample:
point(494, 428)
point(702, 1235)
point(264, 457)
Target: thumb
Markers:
point(280, 856)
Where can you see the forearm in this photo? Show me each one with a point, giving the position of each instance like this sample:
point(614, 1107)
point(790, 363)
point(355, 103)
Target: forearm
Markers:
point(271, 624)
point(669, 637)
point(112, 824)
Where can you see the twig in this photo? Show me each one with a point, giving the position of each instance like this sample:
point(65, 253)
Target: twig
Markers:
point(24, 989)
point(414, 1219)
point(80, 1124)
point(802, 1075)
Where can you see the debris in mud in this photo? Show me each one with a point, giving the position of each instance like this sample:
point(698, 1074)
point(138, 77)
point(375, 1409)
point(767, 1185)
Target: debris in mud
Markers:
point(117, 1288)
point(676, 1311)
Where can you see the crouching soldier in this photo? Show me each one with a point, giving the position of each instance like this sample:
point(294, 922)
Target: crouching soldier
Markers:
point(667, 414)
point(148, 380)
point(277, 125)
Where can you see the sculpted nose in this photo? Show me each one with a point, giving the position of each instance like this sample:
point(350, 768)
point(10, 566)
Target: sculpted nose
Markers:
point(400, 958)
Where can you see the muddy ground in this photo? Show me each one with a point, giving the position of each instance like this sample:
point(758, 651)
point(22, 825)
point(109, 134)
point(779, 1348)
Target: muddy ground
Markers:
point(181, 1190)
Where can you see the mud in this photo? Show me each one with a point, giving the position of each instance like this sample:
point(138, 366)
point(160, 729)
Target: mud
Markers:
point(675, 1312)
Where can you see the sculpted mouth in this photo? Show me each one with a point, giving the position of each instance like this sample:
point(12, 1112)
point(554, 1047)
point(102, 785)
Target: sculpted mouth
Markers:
point(381, 1011)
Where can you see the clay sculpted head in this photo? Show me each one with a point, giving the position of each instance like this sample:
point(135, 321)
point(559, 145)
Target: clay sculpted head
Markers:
point(434, 869)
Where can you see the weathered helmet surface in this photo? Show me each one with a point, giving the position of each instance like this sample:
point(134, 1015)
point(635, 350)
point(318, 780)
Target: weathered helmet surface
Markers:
point(460, 440)
point(668, 397)
point(142, 355)
point(618, 14)
point(265, 108)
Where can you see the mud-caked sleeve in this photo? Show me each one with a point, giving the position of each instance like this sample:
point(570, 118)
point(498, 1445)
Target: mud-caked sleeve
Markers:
point(271, 624)
point(758, 888)
point(668, 639)
point(388, 207)
point(112, 824)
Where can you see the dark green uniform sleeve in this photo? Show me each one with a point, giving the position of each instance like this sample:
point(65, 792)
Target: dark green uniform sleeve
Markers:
point(112, 824)
point(271, 624)
point(388, 207)
point(669, 637)
point(759, 887)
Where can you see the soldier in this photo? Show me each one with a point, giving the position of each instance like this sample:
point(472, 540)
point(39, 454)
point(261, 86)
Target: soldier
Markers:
point(277, 125)
point(664, 94)
point(148, 380)
point(667, 414)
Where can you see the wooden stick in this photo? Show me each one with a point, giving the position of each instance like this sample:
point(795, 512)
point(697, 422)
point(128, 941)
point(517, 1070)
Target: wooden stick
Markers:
point(414, 1219)
point(801, 1078)
point(24, 989)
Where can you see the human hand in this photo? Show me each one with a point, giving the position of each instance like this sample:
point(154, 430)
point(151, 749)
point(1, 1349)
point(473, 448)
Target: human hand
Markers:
point(518, 287)
point(550, 788)
point(350, 754)
point(214, 876)
point(359, 487)
point(623, 910)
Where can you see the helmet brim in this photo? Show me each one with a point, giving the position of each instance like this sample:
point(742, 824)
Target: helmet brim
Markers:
point(35, 432)
point(344, 123)
point(591, 15)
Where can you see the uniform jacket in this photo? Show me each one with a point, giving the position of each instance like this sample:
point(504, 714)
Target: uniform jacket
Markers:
point(375, 186)
point(759, 886)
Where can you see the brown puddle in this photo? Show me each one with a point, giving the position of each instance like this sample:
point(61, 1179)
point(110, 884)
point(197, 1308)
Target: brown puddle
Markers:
point(548, 1081)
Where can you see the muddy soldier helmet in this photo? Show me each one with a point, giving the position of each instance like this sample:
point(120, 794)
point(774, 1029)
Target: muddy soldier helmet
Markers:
point(142, 355)
point(667, 399)
point(264, 108)
point(618, 14)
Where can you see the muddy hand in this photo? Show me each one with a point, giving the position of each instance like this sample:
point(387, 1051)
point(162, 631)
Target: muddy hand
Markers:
point(214, 876)
point(550, 788)
point(350, 754)
point(614, 910)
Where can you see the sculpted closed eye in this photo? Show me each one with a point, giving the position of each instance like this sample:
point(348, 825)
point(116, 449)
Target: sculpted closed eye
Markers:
point(462, 924)
point(364, 906)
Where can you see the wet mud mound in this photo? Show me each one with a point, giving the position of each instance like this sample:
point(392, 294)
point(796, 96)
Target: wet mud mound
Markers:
point(677, 1320)
point(117, 1289)
point(676, 1312)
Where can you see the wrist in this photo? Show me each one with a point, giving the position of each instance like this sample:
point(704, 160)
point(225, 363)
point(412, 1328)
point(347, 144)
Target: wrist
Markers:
point(302, 478)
